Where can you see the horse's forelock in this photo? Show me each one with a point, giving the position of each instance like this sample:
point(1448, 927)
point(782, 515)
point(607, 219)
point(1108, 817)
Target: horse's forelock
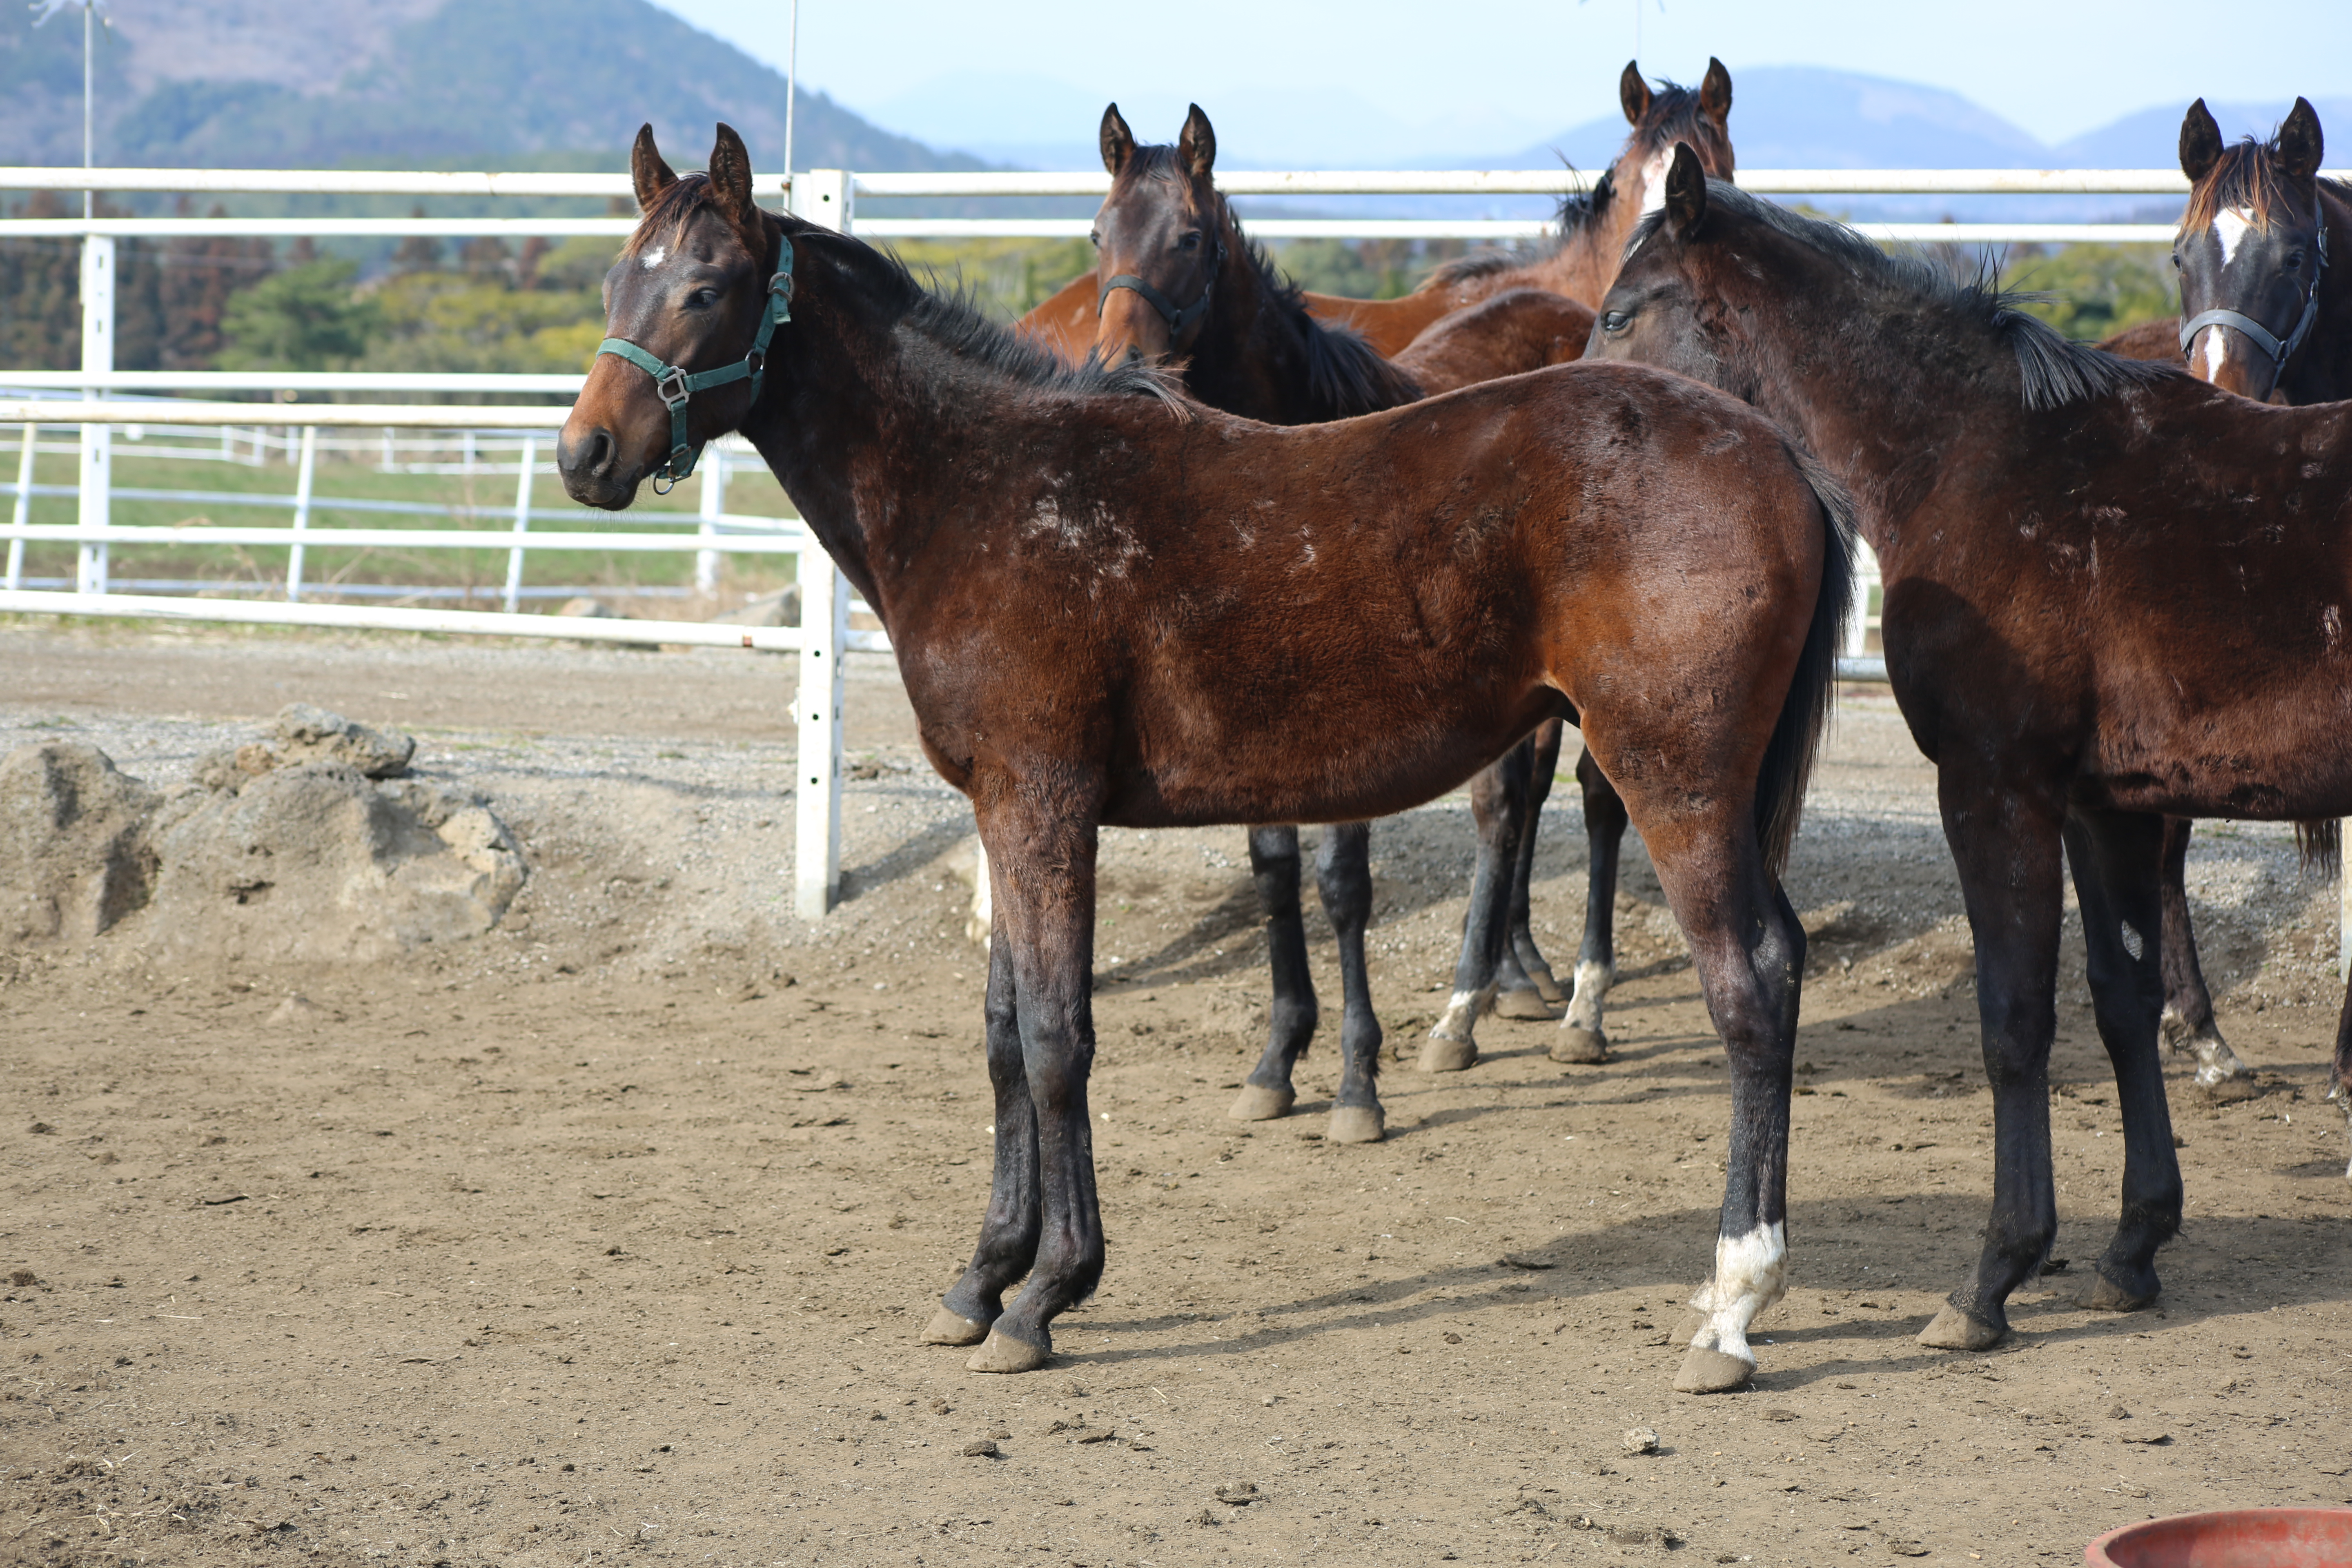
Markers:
point(2243, 179)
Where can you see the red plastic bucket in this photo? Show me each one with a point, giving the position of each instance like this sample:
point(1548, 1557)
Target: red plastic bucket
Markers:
point(2234, 1538)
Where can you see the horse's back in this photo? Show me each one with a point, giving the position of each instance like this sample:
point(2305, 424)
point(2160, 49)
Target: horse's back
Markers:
point(2157, 340)
point(1065, 322)
point(1518, 330)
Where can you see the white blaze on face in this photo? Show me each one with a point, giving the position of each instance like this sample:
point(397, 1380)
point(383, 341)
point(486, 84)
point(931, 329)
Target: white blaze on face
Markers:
point(651, 258)
point(2212, 352)
point(2230, 228)
point(1751, 1272)
point(1654, 182)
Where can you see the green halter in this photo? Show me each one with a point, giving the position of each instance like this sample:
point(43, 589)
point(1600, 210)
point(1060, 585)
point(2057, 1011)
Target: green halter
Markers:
point(674, 386)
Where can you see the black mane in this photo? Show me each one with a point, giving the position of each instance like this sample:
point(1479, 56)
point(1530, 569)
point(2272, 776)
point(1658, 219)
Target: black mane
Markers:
point(2053, 369)
point(1344, 376)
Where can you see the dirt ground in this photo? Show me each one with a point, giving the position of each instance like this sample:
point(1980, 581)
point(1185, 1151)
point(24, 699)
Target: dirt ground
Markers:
point(608, 1237)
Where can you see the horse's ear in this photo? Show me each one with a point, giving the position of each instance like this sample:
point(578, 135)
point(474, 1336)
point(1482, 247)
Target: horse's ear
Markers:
point(1634, 93)
point(1686, 192)
point(730, 179)
point(1715, 94)
point(1118, 142)
point(1197, 143)
point(2200, 141)
point(2297, 144)
point(647, 171)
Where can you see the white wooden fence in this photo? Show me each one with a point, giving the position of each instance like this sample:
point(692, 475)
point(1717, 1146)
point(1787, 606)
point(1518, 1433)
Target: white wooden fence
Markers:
point(823, 196)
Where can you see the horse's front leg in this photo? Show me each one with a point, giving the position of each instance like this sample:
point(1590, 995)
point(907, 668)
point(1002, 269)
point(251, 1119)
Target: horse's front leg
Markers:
point(1343, 873)
point(1499, 804)
point(2006, 848)
point(1581, 1039)
point(1008, 1231)
point(1046, 917)
point(2187, 1007)
point(2339, 1082)
point(1268, 1093)
point(1526, 987)
point(2117, 860)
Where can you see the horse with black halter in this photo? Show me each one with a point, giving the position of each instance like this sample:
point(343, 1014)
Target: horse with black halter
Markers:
point(2112, 594)
point(1593, 226)
point(1184, 284)
point(2264, 254)
point(1112, 605)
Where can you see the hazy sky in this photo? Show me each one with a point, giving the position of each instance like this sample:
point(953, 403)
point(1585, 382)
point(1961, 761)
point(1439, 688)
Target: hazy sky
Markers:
point(2056, 69)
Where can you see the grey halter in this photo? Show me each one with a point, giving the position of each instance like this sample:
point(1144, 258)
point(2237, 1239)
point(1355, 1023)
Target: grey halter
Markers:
point(2259, 335)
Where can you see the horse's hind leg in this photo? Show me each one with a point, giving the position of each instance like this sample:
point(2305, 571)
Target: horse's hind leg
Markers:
point(1498, 798)
point(1267, 1093)
point(1343, 873)
point(1581, 1037)
point(2117, 860)
point(2187, 1007)
point(2339, 1082)
point(2006, 849)
point(1749, 951)
point(1526, 987)
point(1008, 1231)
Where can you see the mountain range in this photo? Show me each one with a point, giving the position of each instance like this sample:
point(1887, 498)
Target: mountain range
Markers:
point(517, 82)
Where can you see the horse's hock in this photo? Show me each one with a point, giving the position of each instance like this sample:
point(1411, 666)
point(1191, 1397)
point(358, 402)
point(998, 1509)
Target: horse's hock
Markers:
point(309, 845)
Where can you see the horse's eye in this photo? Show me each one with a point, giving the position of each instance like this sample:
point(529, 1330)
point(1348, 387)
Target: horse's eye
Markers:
point(1615, 321)
point(1191, 242)
point(1095, 239)
point(702, 300)
point(2176, 261)
point(2294, 261)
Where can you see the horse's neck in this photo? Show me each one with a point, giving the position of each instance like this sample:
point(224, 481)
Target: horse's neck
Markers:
point(1586, 260)
point(2323, 369)
point(1241, 364)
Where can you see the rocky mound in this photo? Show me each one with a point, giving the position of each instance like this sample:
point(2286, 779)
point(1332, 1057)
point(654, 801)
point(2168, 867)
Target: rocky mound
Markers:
point(307, 845)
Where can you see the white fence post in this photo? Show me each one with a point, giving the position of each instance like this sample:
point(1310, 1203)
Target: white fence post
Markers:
point(1866, 580)
point(97, 440)
point(303, 478)
point(521, 521)
point(714, 507)
point(824, 619)
point(23, 512)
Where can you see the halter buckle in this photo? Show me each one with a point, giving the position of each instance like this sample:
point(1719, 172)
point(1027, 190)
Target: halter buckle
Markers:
point(670, 386)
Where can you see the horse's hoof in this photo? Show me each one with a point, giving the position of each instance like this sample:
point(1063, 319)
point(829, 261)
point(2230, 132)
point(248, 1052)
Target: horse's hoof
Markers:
point(2229, 1091)
point(1954, 1330)
point(948, 1327)
point(1001, 1352)
point(1261, 1104)
point(1579, 1046)
point(2105, 1296)
point(1447, 1056)
point(1356, 1124)
point(1712, 1372)
point(1527, 1005)
point(1688, 1330)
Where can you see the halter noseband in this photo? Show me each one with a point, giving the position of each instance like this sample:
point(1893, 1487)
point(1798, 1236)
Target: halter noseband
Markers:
point(1178, 318)
point(2256, 332)
point(674, 386)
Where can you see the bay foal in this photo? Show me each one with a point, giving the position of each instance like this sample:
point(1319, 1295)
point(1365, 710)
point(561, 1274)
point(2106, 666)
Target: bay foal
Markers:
point(1110, 605)
point(2112, 594)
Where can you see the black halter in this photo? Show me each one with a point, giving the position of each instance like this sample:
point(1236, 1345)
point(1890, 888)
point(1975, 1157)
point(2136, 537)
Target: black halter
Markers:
point(1178, 318)
point(2256, 332)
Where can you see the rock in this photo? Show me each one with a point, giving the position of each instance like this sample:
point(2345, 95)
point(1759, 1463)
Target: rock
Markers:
point(780, 608)
point(1239, 1494)
point(981, 1448)
point(75, 852)
point(308, 735)
point(315, 862)
point(298, 1009)
point(1640, 1440)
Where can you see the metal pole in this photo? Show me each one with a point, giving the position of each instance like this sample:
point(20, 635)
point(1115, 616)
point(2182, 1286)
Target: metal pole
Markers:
point(714, 506)
point(792, 84)
point(521, 520)
point(23, 511)
point(96, 474)
point(303, 478)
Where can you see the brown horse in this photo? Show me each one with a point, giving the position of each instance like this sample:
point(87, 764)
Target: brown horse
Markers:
point(1185, 284)
point(1593, 230)
point(1112, 605)
point(2111, 593)
point(2271, 320)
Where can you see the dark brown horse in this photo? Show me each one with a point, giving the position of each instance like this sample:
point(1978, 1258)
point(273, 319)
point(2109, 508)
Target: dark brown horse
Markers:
point(1112, 605)
point(2273, 320)
point(1592, 231)
point(1184, 284)
point(2111, 593)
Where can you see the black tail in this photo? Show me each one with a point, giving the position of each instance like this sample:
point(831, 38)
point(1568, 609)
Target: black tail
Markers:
point(2322, 846)
point(1797, 737)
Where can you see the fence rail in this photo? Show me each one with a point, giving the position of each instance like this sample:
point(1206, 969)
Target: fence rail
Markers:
point(825, 195)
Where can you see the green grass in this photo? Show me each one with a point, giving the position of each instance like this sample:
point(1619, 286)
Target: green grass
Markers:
point(751, 490)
